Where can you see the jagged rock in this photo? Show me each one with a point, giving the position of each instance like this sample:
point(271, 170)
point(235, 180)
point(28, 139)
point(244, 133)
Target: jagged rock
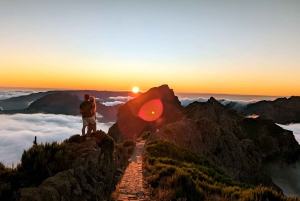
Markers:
point(149, 111)
point(221, 135)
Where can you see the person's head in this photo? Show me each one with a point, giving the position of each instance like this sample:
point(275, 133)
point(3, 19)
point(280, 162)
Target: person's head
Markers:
point(86, 97)
point(92, 98)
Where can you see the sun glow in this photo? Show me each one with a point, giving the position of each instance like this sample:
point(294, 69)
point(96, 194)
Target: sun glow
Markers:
point(135, 89)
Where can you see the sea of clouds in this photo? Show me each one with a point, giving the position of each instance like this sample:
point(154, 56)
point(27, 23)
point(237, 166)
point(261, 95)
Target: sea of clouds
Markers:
point(17, 132)
point(11, 94)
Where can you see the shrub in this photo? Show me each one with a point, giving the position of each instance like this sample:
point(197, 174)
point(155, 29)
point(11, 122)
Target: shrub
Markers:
point(2, 167)
point(145, 135)
point(130, 150)
point(44, 160)
point(128, 143)
point(107, 143)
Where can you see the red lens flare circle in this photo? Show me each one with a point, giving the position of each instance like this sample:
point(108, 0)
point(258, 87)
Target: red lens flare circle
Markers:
point(151, 110)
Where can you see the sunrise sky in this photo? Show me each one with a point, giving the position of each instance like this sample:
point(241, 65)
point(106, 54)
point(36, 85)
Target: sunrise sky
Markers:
point(231, 47)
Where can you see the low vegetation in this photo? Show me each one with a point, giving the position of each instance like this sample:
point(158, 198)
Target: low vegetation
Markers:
point(176, 173)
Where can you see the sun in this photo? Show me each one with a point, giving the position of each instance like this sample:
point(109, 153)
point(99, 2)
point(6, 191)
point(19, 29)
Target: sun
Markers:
point(135, 89)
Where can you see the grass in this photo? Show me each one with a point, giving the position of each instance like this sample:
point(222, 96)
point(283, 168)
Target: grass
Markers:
point(177, 173)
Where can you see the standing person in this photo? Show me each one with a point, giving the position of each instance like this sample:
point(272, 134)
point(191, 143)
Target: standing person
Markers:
point(86, 112)
point(94, 108)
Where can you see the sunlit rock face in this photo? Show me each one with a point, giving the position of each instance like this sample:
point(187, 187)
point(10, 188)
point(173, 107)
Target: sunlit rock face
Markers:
point(148, 112)
point(240, 146)
point(282, 110)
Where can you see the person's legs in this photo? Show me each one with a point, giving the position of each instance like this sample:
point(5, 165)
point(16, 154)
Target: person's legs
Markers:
point(95, 127)
point(85, 124)
point(83, 130)
point(90, 128)
point(92, 125)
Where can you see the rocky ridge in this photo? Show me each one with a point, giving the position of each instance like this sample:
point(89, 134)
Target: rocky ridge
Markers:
point(238, 145)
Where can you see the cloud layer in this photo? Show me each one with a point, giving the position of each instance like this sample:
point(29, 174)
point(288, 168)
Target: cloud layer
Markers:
point(287, 176)
point(10, 94)
point(17, 132)
point(117, 100)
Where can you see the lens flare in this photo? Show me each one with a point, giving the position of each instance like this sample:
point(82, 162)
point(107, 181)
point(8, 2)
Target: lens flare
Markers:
point(151, 110)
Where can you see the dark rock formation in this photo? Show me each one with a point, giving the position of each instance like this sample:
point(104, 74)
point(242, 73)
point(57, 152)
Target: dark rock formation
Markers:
point(275, 143)
point(239, 146)
point(148, 112)
point(56, 103)
point(282, 110)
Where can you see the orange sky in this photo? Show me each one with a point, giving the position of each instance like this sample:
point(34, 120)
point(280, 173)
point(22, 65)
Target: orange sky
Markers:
point(200, 47)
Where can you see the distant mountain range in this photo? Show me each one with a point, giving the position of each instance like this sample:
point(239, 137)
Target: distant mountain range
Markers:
point(281, 110)
point(63, 102)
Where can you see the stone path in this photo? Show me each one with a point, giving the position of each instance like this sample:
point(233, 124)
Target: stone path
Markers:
point(132, 186)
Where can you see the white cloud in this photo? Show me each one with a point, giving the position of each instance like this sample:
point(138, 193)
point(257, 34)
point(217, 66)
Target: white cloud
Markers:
point(187, 101)
point(117, 100)
point(17, 132)
point(112, 103)
point(123, 98)
point(10, 94)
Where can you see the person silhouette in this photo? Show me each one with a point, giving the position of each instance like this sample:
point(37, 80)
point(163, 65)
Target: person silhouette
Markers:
point(85, 110)
point(94, 108)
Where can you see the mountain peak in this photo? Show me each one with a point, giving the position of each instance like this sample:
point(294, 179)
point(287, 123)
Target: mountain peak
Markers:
point(149, 111)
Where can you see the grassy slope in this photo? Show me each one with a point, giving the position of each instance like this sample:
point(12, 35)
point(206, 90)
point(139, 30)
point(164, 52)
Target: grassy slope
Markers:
point(179, 174)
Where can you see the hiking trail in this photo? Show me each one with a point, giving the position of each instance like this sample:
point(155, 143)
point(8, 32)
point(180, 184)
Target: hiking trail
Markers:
point(132, 185)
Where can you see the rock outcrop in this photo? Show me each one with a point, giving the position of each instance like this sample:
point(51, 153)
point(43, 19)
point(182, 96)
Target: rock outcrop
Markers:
point(148, 112)
point(91, 176)
point(282, 110)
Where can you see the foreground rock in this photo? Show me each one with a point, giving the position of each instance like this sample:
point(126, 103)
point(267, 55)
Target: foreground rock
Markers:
point(90, 176)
